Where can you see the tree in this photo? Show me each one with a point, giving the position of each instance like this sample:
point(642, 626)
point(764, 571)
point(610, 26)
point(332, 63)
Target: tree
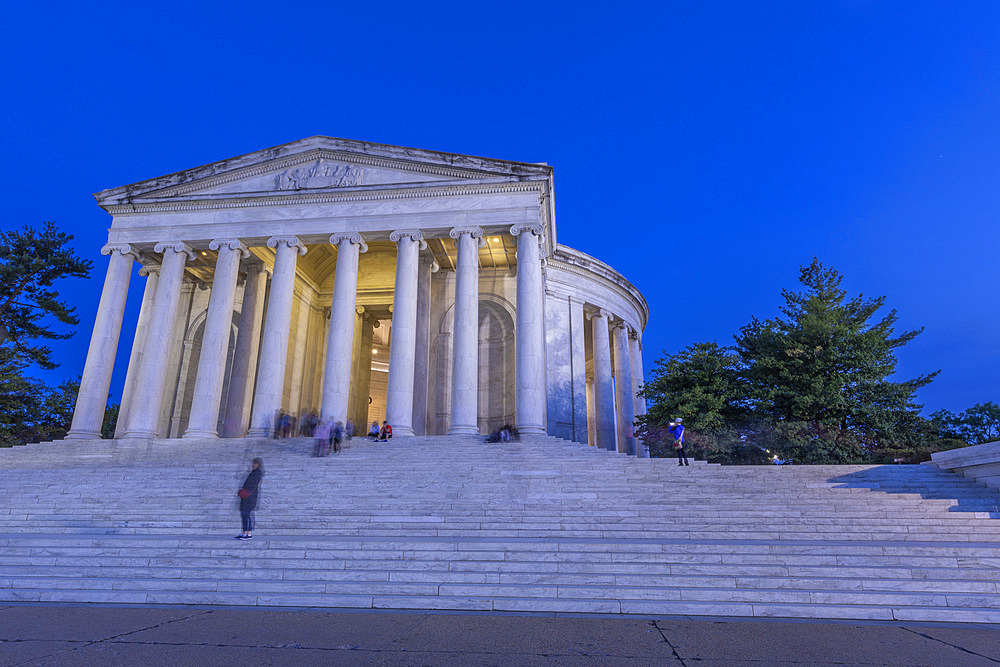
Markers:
point(820, 374)
point(30, 262)
point(975, 425)
point(702, 385)
point(811, 386)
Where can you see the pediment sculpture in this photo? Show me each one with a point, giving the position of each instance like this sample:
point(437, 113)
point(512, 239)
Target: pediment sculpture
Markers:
point(322, 174)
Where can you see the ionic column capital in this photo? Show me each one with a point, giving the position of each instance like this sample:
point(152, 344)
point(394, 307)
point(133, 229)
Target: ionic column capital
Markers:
point(122, 249)
point(232, 244)
point(176, 246)
point(350, 237)
point(290, 241)
point(412, 234)
point(429, 259)
point(149, 269)
point(600, 312)
point(473, 231)
point(532, 227)
point(255, 267)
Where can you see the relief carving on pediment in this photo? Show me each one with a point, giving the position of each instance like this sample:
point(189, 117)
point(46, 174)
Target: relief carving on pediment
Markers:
point(322, 174)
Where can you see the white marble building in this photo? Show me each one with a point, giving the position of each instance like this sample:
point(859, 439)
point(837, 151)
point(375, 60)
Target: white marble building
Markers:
point(363, 282)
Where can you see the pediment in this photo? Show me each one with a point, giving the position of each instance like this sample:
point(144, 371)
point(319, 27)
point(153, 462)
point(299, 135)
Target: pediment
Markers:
point(320, 165)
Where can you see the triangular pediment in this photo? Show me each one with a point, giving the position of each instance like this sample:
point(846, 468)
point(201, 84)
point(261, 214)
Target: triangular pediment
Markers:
point(320, 165)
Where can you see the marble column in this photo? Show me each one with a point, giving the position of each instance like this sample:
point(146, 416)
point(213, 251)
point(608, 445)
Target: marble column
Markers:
point(207, 397)
point(274, 346)
point(465, 345)
point(591, 419)
point(421, 359)
point(530, 345)
point(604, 397)
point(92, 399)
point(362, 374)
point(638, 403)
point(578, 355)
point(402, 344)
point(624, 399)
point(152, 274)
point(340, 338)
point(237, 415)
point(144, 422)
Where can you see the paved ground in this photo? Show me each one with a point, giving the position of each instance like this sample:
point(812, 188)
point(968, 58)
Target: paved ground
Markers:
point(99, 635)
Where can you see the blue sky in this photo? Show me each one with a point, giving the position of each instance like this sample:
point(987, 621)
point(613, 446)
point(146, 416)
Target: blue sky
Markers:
point(705, 150)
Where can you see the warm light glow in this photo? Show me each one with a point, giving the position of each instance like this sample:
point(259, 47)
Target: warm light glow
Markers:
point(204, 254)
point(496, 240)
point(374, 351)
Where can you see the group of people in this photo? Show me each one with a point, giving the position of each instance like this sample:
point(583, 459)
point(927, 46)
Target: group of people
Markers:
point(329, 434)
point(382, 433)
point(289, 425)
point(505, 433)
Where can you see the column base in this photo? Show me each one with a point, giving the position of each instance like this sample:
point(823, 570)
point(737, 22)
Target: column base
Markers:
point(200, 434)
point(260, 432)
point(141, 434)
point(525, 429)
point(463, 430)
point(405, 431)
point(82, 435)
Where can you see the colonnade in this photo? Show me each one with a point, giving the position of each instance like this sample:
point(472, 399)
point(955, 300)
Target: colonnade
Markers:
point(145, 379)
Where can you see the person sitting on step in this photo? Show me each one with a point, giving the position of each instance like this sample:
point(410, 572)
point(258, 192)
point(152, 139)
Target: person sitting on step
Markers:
point(386, 432)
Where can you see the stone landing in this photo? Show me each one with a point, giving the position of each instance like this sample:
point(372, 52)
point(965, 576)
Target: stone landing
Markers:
point(454, 523)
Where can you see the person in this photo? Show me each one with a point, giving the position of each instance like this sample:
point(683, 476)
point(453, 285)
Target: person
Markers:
point(248, 494)
point(677, 430)
point(373, 431)
point(504, 433)
point(321, 433)
point(338, 435)
point(348, 430)
point(386, 432)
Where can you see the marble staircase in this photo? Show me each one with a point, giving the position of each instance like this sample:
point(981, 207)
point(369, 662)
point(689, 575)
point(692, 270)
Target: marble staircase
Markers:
point(454, 523)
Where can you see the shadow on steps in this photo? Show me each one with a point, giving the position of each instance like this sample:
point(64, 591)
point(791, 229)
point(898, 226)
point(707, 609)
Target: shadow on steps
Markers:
point(928, 483)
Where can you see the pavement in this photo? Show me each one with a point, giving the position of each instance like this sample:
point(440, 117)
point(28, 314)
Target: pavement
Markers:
point(181, 636)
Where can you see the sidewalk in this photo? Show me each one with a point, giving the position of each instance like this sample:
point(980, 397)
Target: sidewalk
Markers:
point(181, 636)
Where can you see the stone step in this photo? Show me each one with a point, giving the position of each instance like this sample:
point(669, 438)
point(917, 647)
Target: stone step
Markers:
point(446, 523)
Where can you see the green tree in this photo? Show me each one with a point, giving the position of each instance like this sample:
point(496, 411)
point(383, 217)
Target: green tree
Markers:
point(820, 374)
point(31, 261)
point(702, 385)
point(21, 400)
point(975, 425)
point(811, 386)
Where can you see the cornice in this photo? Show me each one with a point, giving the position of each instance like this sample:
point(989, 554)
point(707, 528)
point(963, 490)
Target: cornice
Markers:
point(328, 197)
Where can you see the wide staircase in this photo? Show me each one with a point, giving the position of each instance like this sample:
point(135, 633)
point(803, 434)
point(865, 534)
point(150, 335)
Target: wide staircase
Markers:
point(455, 523)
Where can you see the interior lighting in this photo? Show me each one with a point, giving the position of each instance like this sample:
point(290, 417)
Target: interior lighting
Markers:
point(496, 240)
point(204, 254)
point(374, 351)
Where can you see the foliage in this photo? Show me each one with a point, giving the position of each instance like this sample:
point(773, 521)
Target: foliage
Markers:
point(975, 425)
point(30, 411)
point(110, 421)
point(811, 386)
point(30, 262)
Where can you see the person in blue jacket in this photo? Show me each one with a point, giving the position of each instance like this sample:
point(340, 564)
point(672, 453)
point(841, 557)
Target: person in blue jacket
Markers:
point(677, 430)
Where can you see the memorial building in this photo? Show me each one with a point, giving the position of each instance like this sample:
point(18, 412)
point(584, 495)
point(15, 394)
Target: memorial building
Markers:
point(363, 282)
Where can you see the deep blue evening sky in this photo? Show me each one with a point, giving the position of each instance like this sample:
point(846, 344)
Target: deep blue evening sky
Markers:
point(705, 150)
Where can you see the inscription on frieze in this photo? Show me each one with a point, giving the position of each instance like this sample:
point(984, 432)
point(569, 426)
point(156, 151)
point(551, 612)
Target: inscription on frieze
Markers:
point(322, 174)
